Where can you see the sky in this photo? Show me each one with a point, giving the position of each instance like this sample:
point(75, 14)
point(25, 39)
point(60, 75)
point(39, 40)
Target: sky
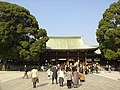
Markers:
point(68, 17)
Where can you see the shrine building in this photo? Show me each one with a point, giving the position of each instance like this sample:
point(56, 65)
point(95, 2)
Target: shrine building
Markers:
point(70, 49)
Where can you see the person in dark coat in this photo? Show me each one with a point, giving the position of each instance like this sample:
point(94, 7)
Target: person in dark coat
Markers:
point(54, 74)
point(26, 72)
point(67, 68)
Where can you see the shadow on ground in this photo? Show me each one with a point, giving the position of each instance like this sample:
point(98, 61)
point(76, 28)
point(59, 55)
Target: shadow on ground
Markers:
point(42, 84)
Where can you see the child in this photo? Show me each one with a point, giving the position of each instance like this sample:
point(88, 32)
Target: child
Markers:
point(49, 73)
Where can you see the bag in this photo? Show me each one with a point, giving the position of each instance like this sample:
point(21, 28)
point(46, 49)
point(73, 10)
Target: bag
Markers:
point(37, 80)
point(82, 77)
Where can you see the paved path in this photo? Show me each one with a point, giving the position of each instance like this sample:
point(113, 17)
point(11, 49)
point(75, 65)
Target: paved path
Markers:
point(115, 75)
point(9, 75)
point(93, 82)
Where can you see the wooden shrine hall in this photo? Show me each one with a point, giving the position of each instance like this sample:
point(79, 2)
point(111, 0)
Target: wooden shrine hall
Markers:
point(69, 49)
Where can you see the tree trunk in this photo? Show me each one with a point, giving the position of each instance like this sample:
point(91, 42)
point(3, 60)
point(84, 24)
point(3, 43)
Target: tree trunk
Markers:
point(4, 62)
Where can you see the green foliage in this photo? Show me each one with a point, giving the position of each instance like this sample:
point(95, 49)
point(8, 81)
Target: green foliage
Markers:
point(20, 36)
point(108, 32)
point(109, 54)
point(24, 54)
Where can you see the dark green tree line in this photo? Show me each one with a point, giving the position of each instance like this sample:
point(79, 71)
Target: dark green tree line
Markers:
point(20, 36)
point(108, 32)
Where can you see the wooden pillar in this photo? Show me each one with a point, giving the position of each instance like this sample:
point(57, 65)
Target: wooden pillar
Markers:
point(78, 59)
point(56, 58)
point(93, 61)
point(85, 58)
point(67, 57)
point(77, 55)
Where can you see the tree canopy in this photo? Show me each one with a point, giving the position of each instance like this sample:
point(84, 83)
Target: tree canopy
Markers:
point(108, 32)
point(20, 36)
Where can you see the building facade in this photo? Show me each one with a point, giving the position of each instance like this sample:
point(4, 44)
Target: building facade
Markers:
point(70, 49)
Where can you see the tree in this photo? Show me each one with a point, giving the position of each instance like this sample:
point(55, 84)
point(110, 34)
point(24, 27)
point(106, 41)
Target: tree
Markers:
point(108, 32)
point(20, 36)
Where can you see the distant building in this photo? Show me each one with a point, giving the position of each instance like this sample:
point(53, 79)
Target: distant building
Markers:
point(70, 49)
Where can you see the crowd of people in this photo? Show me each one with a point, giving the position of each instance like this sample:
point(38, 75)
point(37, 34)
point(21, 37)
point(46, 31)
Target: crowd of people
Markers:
point(75, 74)
point(59, 73)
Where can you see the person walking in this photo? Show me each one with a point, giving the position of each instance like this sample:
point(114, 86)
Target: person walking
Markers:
point(69, 78)
point(109, 68)
point(61, 77)
point(54, 74)
point(75, 78)
point(34, 75)
point(49, 73)
point(26, 72)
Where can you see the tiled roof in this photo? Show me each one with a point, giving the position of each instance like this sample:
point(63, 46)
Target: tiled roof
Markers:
point(66, 42)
